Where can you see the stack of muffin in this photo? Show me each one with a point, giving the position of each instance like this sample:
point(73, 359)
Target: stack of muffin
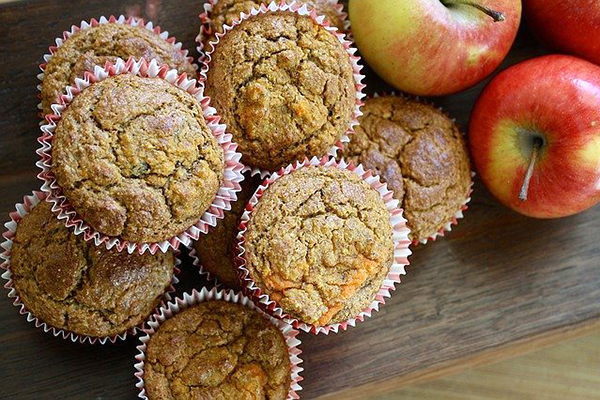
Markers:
point(136, 161)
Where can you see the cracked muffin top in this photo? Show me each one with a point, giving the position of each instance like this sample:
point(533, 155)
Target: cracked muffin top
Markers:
point(73, 285)
point(215, 249)
point(319, 243)
point(284, 86)
point(136, 159)
point(422, 156)
point(106, 42)
point(217, 350)
point(227, 11)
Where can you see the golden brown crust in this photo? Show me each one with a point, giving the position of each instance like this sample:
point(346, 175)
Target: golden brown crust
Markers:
point(95, 46)
point(73, 285)
point(284, 86)
point(319, 242)
point(215, 249)
point(422, 156)
point(217, 350)
point(136, 159)
point(227, 11)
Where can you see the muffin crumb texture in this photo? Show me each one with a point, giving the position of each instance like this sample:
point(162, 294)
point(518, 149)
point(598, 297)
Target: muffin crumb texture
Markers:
point(73, 285)
point(215, 249)
point(106, 42)
point(227, 11)
point(284, 86)
point(319, 243)
point(217, 350)
point(421, 155)
point(136, 159)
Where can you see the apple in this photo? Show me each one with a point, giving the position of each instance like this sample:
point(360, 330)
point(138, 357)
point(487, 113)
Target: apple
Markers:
point(434, 47)
point(571, 26)
point(534, 136)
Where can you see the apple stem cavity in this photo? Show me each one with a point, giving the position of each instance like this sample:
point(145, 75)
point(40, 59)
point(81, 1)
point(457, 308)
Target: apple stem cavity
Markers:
point(535, 153)
point(497, 16)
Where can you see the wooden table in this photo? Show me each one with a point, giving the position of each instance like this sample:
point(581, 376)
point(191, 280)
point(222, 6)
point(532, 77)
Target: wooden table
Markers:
point(498, 285)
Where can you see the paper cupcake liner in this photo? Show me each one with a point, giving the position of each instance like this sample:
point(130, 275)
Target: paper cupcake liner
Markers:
point(206, 31)
point(348, 45)
point(204, 273)
point(225, 195)
point(464, 206)
point(400, 238)
point(196, 297)
point(22, 209)
point(133, 21)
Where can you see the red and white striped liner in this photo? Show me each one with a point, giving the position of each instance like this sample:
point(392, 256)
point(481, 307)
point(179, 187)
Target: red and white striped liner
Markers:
point(121, 19)
point(206, 31)
point(22, 209)
point(295, 7)
point(204, 273)
point(196, 297)
point(459, 214)
point(226, 194)
point(400, 237)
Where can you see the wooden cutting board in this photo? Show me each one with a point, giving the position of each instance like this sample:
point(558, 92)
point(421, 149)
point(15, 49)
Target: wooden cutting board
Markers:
point(498, 285)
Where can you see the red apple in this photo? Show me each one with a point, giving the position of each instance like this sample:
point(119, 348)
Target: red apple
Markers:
point(571, 26)
point(541, 115)
point(434, 47)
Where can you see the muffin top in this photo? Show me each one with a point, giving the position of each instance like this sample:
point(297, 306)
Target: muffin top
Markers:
point(136, 159)
point(106, 42)
point(217, 350)
point(227, 11)
point(73, 285)
point(422, 156)
point(215, 249)
point(284, 86)
point(319, 243)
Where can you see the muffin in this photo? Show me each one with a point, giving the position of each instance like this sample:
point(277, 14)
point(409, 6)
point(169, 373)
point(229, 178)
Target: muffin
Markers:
point(215, 249)
point(217, 350)
point(224, 12)
point(105, 42)
point(422, 156)
point(284, 86)
point(319, 243)
point(136, 159)
point(73, 285)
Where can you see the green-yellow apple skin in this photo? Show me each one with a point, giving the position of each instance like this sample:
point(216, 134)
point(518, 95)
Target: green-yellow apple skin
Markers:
point(427, 48)
point(555, 99)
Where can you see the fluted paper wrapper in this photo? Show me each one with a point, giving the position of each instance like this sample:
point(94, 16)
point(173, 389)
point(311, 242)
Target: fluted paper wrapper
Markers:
point(197, 297)
point(400, 237)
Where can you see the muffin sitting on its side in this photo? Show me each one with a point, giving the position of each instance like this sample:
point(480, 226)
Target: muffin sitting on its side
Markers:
point(73, 285)
point(421, 155)
point(105, 42)
point(215, 249)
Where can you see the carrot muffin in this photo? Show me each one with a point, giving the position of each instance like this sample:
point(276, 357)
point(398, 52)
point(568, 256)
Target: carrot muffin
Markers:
point(106, 42)
point(136, 159)
point(73, 285)
point(215, 249)
point(217, 350)
point(284, 86)
point(319, 243)
point(422, 156)
point(227, 11)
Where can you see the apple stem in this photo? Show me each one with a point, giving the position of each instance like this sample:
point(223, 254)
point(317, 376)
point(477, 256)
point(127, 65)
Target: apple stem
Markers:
point(497, 16)
point(537, 145)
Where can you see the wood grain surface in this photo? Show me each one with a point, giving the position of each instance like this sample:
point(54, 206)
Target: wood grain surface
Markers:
point(499, 284)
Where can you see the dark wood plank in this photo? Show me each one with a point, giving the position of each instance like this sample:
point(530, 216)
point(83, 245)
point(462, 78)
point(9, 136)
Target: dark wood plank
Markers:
point(499, 282)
